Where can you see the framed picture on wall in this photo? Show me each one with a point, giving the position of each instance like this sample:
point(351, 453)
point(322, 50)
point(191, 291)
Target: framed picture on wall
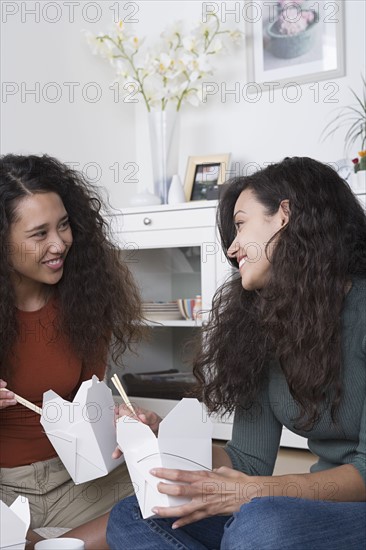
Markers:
point(203, 174)
point(293, 42)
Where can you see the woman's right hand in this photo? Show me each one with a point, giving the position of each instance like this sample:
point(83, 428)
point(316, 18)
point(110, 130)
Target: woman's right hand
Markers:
point(149, 418)
point(6, 397)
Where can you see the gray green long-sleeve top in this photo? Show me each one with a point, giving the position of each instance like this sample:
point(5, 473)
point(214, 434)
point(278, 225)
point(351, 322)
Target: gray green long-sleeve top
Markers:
point(256, 433)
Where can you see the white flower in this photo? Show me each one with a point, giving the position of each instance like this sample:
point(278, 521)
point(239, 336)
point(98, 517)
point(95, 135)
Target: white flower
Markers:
point(208, 28)
point(184, 60)
point(172, 71)
point(216, 46)
point(119, 66)
point(99, 45)
point(194, 76)
point(120, 28)
point(121, 70)
point(237, 37)
point(165, 62)
point(193, 97)
point(172, 35)
point(203, 62)
point(135, 42)
point(189, 43)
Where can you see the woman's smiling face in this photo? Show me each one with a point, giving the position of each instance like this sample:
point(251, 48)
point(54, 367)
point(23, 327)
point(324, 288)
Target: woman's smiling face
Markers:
point(39, 239)
point(254, 229)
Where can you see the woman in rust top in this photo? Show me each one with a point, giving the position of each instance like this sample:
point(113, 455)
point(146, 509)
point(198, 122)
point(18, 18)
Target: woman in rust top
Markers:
point(64, 297)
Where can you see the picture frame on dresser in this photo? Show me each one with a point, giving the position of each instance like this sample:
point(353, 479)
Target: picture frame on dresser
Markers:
point(313, 51)
point(203, 173)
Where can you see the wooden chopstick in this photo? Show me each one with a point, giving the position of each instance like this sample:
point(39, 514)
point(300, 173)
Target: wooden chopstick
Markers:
point(123, 394)
point(25, 402)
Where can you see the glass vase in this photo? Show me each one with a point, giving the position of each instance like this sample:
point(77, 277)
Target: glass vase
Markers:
point(164, 145)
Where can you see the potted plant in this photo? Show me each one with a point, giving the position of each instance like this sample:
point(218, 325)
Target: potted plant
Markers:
point(165, 76)
point(292, 33)
point(353, 117)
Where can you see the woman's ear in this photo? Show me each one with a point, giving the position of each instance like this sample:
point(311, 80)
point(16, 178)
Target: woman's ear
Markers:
point(284, 212)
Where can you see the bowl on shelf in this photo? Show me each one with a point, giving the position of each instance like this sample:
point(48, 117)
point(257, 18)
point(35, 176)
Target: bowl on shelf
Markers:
point(186, 306)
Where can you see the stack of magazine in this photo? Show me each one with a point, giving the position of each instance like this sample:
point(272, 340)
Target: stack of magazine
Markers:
point(161, 311)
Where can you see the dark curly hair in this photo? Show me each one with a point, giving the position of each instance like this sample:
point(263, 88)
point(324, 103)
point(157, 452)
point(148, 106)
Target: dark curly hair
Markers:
point(98, 300)
point(296, 318)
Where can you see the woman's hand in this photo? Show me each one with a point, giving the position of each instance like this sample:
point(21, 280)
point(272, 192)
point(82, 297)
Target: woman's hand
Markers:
point(149, 418)
point(220, 492)
point(6, 397)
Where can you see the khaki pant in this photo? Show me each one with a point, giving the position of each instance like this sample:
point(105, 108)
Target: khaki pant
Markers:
point(55, 500)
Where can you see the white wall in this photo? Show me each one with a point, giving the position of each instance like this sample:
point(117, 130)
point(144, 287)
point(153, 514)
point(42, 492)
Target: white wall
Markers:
point(95, 134)
point(105, 132)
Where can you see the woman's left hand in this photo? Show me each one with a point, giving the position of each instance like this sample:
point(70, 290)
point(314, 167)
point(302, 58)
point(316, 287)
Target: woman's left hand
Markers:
point(220, 492)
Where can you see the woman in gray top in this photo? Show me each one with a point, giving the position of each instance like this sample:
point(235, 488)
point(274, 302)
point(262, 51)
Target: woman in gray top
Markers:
point(286, 346)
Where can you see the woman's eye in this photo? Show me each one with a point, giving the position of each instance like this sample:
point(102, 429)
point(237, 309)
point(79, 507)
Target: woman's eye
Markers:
point(40, 234)
point(238, 225)
point(65, 224)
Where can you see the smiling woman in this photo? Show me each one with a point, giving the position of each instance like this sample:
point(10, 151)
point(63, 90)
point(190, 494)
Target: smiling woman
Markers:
point(284, 346)
point(65, 300)
point(38, 253)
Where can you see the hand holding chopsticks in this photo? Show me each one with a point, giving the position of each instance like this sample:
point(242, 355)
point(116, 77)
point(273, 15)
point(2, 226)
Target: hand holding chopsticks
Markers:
point(123, 394)
point(25, 402)
point(38, 410)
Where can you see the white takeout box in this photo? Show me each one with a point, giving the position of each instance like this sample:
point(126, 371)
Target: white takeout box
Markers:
point(14, 523)
point(83, 431)
point(184, 443)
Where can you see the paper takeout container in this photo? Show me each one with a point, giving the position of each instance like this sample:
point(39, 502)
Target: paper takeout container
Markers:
point(82, 431)
point(14, 523)
point(184, 442)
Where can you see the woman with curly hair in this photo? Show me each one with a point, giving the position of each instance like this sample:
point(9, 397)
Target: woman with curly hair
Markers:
point(285, 346)
point(65, 299)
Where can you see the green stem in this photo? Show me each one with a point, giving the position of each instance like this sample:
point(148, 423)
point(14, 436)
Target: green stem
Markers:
point(184, 93)
point(214, 34)
point(129, 59)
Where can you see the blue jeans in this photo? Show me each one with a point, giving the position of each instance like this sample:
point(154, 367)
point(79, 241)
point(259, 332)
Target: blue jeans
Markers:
point(279, 523)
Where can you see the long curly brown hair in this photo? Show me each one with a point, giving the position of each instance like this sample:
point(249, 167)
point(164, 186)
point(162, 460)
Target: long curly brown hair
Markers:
point(296, 318)
point(98, 300)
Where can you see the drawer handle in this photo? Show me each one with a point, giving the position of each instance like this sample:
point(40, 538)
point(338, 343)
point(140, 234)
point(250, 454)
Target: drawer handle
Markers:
point(147, 221)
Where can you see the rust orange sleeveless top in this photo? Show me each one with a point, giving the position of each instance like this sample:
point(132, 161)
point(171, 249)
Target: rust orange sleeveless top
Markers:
point(43, 361)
